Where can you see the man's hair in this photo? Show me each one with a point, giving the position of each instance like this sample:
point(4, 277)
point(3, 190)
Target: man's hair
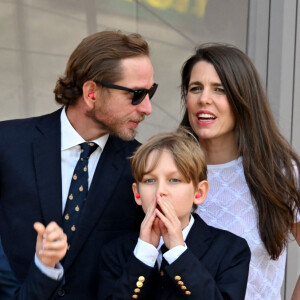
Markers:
point(185, 150)
point(98, 58)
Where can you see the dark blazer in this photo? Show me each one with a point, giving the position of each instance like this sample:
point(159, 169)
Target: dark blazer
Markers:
point(215, 266)
point(37, 286)
point(30, 190)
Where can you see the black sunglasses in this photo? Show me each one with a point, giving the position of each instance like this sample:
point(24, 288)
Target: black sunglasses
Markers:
point(138, 94)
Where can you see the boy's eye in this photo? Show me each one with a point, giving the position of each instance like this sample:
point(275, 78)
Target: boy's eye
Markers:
point(175, 180)
point(149, 180)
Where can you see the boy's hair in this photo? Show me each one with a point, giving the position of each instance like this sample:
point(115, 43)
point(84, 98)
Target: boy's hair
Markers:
point(185, 149)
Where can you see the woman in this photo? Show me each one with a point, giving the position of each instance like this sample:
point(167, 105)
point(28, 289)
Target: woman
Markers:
point(253, 171)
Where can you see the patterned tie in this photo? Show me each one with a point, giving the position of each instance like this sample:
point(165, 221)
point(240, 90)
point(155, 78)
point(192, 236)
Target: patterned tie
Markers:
point(78, 191)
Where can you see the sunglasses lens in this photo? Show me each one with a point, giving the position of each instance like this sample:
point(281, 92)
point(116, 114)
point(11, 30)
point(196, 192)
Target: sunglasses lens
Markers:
point(152, 90)
point(139, 95)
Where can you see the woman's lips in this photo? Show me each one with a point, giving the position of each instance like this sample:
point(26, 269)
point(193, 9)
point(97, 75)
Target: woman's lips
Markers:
point(205, 118)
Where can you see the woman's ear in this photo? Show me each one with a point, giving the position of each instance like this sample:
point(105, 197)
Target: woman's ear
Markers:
point(89, 94)
point(201, 192)
point(136, 194)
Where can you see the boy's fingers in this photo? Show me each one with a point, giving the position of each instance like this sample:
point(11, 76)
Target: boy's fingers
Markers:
point(167, 208)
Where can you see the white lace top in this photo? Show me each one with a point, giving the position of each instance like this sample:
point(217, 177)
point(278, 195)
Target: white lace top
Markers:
point(229, 206)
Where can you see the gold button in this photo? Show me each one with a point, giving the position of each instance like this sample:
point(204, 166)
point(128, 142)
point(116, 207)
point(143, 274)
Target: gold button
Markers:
point(183, 287)
point(141, 278)
point(137, 290)
point(75, 176)
point(162, 273)
point(67, 217)
point(77, 208)
point(187, 292)
point(135, 296)
point(81, 188)
point(73, 228)
point(85, 169)
point(180, 282)
point(177, 277)
point(71, 197)
point(139, 284)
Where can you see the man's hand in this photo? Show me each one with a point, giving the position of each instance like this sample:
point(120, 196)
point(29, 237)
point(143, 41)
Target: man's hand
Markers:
point(51, 243)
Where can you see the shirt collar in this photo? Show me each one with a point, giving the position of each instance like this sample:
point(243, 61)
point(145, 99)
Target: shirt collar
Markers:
point(70, 137)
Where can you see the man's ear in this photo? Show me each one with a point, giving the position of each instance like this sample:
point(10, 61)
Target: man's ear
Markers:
point(136, 194)
point(89, 93)
point(201, 192)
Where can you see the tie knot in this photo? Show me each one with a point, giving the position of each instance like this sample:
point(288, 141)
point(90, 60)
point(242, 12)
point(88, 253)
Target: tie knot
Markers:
point(87, 149)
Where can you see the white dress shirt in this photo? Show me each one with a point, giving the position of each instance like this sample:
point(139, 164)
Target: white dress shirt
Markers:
point(70, 153)
point(148, 254)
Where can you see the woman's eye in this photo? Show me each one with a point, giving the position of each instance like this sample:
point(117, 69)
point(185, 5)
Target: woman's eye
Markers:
point(220, 90)
point(195, 89)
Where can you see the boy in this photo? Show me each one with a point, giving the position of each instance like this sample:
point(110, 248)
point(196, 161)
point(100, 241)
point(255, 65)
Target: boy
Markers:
point(200, 262)
point(45, 274)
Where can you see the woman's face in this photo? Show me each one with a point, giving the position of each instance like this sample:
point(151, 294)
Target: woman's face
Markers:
point(209, 111)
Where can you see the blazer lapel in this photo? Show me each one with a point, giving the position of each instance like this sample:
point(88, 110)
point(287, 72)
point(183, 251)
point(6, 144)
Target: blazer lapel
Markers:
point(199, 243)
point(106, 176)
point(47, 160)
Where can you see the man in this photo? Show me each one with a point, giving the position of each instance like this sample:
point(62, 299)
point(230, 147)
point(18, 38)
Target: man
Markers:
point(105, 92)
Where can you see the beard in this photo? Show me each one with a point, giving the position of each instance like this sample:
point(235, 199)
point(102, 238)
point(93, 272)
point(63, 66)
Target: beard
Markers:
point(115, 128)
point(125, 135)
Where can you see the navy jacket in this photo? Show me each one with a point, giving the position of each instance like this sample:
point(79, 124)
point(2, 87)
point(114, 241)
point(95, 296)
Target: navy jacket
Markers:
point(37, 286)
point(30, 190)
point(215, 266)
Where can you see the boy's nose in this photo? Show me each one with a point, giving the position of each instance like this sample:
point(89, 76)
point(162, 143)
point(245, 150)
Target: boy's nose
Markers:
point(162, 194)
point(161, 190)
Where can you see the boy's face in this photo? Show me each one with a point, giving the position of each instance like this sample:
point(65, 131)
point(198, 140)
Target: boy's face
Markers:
point(166, 180)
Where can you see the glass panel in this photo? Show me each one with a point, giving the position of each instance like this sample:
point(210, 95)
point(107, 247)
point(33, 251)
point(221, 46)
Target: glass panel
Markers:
point(40, 35)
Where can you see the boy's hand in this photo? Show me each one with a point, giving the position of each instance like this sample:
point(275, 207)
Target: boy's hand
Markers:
point(150, 231)
point(169, 224)
point(51, 243)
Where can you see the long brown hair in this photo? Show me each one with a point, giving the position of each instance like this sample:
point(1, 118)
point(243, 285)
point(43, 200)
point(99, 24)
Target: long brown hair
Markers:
point(98, 58)
point(271, 166)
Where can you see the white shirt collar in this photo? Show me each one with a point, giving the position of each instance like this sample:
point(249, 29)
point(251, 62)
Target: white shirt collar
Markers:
point(70, 137)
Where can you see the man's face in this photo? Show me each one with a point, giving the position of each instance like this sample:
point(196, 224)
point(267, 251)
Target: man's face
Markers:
point(113, 111)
